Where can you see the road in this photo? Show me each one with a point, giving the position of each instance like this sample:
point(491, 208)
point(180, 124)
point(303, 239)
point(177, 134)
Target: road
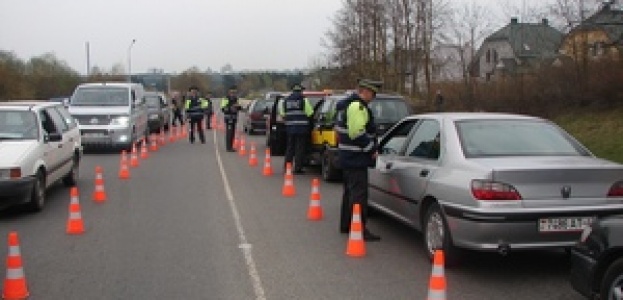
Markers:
point(174, 232)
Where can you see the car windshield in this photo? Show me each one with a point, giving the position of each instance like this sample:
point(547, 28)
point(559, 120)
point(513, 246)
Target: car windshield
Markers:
point(101, 96)
point(153, 101)
point(18, 125)
point(498, 138)
point(388, 110)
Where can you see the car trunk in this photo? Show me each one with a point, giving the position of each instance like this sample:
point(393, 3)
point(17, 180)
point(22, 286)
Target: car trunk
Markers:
point(552, 181)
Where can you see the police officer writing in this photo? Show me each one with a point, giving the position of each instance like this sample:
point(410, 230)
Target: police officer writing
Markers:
point(357, 151)
point(230, 108)
point(296, 111)
point(194, 112)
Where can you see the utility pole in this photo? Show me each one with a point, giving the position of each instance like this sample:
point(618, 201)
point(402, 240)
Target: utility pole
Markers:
point(88, 59)
point(130, 60)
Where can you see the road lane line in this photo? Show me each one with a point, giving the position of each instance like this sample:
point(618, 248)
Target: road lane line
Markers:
point(244, 245)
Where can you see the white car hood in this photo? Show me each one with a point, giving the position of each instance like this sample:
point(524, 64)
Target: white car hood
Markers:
point(12, 152)
point(99, 110)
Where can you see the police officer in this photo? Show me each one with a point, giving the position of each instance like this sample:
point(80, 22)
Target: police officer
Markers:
point(208, 111)
point(195, 107)
point(230, 108)
point(296, 111)
point(176, 106)
point(357, 151)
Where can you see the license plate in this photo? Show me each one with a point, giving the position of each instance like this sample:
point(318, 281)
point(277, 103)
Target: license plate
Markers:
point(568, 224)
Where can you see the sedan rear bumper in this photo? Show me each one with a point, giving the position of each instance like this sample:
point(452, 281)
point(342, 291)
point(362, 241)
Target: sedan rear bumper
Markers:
point(15, 191)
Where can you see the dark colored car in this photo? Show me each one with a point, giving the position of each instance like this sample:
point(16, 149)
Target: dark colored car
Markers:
point(158, 111)
point(597, 260)
point(255, 119)
point(387, 111)
point(275, 126)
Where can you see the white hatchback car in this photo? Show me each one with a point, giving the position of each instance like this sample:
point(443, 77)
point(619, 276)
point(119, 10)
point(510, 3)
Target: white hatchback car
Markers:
point(40, 144)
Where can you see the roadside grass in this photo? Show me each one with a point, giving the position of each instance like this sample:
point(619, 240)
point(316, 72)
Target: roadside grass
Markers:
point(601, 132)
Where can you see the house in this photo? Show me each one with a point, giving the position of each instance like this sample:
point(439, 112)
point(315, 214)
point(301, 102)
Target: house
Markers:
point(599, 36)
point(515, 48)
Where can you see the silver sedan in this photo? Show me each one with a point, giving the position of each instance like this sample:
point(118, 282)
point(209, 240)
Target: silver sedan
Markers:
point(491, 182)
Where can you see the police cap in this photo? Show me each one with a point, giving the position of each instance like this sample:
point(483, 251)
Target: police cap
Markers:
point(233, 88)
point(297, 87)
point(193, 87)
point(371, 85)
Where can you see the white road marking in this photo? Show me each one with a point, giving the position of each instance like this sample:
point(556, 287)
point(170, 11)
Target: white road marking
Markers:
point(244, 244)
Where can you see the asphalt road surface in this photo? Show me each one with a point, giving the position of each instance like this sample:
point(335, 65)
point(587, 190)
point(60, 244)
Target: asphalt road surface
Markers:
point(196, 222)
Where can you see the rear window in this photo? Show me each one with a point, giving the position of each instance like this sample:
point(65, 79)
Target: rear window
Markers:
point(101, 96)
point(498, 138)
point(388, 110)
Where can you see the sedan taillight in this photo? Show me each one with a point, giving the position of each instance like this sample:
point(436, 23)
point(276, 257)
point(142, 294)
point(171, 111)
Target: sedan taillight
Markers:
point(491, 190)
point(616, 190)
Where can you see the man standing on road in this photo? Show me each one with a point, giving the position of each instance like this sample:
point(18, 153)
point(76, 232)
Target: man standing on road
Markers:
point(176, 106)
point(208, 110)
point(230, 108)
point(194, 112)
point(357, 151)
point(296, 111)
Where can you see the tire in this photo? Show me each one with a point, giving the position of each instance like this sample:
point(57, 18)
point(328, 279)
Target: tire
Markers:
point(71, 179)
point(329, 171)
point(612, 280)
point(37, 197)
point(437, 236)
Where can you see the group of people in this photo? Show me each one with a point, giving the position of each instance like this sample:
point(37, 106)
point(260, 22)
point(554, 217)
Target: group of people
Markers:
point(355, 128)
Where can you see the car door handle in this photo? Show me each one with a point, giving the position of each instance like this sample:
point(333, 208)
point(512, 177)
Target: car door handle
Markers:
point(424, 173)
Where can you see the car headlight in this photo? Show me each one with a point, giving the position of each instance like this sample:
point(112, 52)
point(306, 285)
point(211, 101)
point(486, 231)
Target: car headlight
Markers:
point(122, 121)
point(11, 173)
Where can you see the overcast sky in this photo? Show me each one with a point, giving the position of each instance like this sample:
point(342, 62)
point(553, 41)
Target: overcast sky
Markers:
point(171, 34)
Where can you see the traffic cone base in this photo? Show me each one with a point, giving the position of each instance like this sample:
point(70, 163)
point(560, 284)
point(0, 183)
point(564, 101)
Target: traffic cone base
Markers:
point(99, 195)
point(288, 189)
point(315, 213)
point(74, 222)
point(253, 156)
point(124, 170)
point(268, 169)
point(356, 246)
point(437, 284)
point(15, 286)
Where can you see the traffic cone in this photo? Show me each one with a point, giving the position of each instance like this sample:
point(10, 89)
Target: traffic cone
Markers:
point(144, 153)
point(134, 157)
point(172, 134)
point(288, 189)
point(437, 284)
point(15, 286)
point(253, 156)
point(124, 170)
point(74, 223)
point(243, 150)
point(153, 143)
point(162, 139)
point(268, 169)
point(236, 144)
point(99, 195)
point(314, 213)
point(356, 246)
point(213, 121)
point(182, 132)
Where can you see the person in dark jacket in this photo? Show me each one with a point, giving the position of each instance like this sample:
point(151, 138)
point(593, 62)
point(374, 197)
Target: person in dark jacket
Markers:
point(296, 111)
point(230, 109)
point(176, 107)
point(195, 107)
point(208, 111)
point(357, 152)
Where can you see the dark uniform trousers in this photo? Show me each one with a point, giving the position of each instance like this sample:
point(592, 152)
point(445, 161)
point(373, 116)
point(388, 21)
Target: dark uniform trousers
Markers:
point(355, 191)
point(209, 120)
point(296, 149)
point(229, 133)
point(177, 116)
point(195, 124)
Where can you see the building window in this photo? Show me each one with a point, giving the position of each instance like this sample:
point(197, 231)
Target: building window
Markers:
point(488, 55)
point(495, 56)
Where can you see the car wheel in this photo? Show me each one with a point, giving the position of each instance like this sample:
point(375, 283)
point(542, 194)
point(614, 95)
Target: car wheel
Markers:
point(71, 179)
point(612, 284)
point(37, 198)
point(329, 171)
point(437, 235)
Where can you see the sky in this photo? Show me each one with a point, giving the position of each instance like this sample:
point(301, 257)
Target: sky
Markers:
point(174, 35)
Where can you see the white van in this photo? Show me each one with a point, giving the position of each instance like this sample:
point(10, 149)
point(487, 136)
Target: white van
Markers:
point(110, 114)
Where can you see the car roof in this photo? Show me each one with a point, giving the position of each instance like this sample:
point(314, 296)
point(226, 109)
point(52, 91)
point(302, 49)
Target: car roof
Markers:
point(462, 116)
point(26, 104)
point(114, 84)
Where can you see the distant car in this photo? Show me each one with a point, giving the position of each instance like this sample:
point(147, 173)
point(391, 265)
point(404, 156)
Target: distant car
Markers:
point(159, 111)
point(276, 137)
point(39, 145)
point(597, 259)
point(386, 109)
point(491, 182)
point(254, 118)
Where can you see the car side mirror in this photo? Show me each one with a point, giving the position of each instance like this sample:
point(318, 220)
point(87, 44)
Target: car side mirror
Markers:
point(54, 137)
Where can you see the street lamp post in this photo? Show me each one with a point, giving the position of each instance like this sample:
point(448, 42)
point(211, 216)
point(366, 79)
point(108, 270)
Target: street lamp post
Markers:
point(130, 60)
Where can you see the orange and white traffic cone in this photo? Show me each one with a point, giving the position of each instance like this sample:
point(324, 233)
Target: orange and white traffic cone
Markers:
point(134, 157)
point(268, 169)
point(74, 223)
point(124, 170)
point(162, 140)
point(356, 246)
point(288, 189)
point(243, 150)
point(153, 147)
point(172, 134)
point(182, 132)
point(253, 156)
point(99, 195)
point(213, 121)
point(15, 286)
point(144, 153)
point(315, 213)
point(437, 284)
point(236, 144)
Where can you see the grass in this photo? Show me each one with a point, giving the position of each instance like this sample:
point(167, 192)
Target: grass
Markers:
point(601, 132)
